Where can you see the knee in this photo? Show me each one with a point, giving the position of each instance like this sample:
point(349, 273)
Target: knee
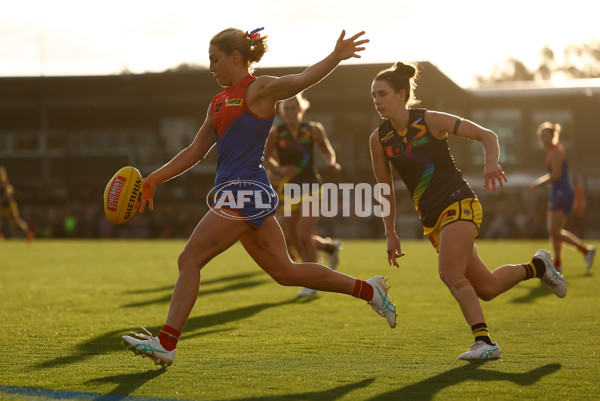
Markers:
point(457, 285)
point(449, 278)
point(555, 233)
point(284, 276)
point(188, 260)
point(486, 293)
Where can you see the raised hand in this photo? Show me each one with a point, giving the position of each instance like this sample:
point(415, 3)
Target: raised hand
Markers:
point(346, 48)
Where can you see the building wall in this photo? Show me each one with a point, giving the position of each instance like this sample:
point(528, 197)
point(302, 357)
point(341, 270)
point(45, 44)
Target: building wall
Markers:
point(75, 132)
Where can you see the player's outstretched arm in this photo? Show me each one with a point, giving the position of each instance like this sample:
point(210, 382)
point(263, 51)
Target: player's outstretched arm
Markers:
point(274, 89)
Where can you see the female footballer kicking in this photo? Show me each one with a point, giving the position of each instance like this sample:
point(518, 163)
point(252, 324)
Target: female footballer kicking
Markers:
point(238, 121)
point(415, 142)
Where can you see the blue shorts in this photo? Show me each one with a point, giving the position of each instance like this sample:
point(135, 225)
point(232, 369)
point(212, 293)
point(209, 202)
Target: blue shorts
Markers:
point(251, 201)
point(562, 200)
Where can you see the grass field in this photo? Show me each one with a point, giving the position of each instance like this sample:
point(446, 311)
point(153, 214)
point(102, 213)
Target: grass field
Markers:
point(65, 305)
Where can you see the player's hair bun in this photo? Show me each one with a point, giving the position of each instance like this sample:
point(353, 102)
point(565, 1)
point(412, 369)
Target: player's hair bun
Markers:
point(405, 70)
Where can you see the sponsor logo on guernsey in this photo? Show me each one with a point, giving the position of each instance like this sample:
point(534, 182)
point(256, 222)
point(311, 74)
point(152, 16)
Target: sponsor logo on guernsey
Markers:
point(234, 102)
point(136, 193)
point(420, 142)
point(393, 151)
point(114, 192)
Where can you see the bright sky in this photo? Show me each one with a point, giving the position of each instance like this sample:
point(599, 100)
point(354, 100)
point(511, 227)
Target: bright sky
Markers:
point(462, 37)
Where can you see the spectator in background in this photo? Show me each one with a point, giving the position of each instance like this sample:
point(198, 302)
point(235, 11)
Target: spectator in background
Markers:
point(562, 195)
point(9, 207)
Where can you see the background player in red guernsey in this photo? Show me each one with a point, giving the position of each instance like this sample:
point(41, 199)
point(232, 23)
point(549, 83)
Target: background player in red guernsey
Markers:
point(238, 121)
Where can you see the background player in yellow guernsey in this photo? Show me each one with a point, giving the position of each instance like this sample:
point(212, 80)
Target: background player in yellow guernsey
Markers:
point(289, 155)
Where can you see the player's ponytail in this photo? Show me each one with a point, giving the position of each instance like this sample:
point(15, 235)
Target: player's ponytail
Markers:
point(252, 46)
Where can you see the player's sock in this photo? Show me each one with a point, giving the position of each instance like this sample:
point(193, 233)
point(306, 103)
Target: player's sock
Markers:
point(363, 290)
point(480, 332)
point(169, 337)
point(535, 268)
point(557, 264)
point(583, 249)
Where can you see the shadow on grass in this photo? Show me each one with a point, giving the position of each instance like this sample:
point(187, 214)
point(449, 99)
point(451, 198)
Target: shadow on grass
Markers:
point(428, 388)
point(127, 384)
point(167, 298)
point(539, 291)
point(333, 394)
point(195, 327)
point(204, 282)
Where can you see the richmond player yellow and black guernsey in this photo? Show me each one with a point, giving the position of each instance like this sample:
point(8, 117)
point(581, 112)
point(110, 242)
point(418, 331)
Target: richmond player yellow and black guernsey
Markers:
point(425, 165)
point(297, 149)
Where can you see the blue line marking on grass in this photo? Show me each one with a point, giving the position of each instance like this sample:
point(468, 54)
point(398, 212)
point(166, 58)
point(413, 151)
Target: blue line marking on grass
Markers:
point(71, 395)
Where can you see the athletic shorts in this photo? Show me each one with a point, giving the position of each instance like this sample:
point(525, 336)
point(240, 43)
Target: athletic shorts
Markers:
point(9, 208)
point(251, 201)
point(306, 197)
point(562, 200)
point(468, 209)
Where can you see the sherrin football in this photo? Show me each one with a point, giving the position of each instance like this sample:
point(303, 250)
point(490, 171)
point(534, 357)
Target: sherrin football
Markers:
point(122, 195)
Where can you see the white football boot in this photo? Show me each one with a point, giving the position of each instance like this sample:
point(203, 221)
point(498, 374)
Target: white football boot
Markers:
point(150, 347)
point(481, 350)
point(334, 256)
point(381, 302)
point(553, 279)
point(589, 258)
point(307, 292)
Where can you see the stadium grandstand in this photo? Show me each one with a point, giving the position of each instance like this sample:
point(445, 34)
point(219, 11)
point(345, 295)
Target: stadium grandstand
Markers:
point(62, 138)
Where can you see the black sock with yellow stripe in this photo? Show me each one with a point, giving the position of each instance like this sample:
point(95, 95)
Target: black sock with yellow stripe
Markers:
point(535, 268)
point(480, 332)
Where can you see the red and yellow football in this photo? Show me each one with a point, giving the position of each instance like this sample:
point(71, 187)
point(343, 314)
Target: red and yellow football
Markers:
point(122, 195)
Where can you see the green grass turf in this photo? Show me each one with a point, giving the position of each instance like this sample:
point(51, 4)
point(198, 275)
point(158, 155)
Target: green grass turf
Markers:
point(65, 305)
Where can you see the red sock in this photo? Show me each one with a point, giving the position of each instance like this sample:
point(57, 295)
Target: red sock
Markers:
point(557, 264)
point(168, 337)
point(363, 290)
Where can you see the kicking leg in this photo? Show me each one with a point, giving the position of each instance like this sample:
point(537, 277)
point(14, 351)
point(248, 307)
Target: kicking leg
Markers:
point(266, 247)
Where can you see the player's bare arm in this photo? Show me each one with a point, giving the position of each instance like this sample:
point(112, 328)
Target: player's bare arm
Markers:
point(268, 89)
point(383, 175)
point(441, 124)
point(183, 161)
point(320, 138)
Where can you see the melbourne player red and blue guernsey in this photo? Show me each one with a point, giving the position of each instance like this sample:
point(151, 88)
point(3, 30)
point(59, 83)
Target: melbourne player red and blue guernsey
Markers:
point(240, 138)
